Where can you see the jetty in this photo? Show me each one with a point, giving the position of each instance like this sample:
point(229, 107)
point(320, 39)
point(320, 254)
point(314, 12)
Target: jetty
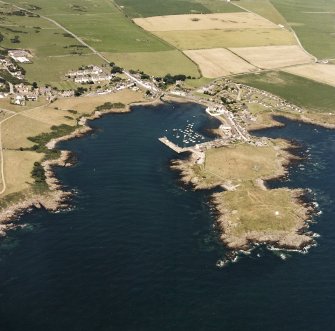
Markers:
point(173, 146)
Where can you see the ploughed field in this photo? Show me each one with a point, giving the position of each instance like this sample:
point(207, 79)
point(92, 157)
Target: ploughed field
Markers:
point(254, 40)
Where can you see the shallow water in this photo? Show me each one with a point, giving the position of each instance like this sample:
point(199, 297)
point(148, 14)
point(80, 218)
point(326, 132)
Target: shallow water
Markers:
point(139, 252)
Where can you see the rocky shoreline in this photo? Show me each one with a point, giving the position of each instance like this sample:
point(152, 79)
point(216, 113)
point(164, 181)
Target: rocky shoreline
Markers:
point(299, 239)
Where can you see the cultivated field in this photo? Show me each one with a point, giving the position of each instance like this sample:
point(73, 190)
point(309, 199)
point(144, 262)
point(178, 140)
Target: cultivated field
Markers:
point(270, 57)
point(301, 91)
point(242, 20)
point(227, 38)
point(323, 73)
point(313, 21)
point(218, 62)
point(175, 62)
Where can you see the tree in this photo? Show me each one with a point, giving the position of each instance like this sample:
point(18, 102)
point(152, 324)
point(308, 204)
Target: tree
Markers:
point(116, 70)
point(34, 85)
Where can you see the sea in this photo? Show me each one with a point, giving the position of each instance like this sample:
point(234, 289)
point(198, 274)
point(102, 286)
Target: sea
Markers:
point(138, 251)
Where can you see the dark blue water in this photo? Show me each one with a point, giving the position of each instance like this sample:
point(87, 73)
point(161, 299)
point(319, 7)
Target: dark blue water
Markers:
point(138, 252)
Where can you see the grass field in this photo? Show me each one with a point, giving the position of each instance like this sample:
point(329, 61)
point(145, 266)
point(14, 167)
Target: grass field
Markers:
point(313, 22)
point(51, 70)
point(223, 21)
point(241, 162)
point(87, 105)
point(110, 31)
point(218, 62)
point(51, 116)
point(5, 104)
point(174, 61)
point(227, 38)
point(17, 168)
point(298, 90)
point(16, 130)
point(100, 24)
point(135, 8)
point(261, 211)
point(42, 41)
point(323, 73)
point(264, 8)
point(270, 57)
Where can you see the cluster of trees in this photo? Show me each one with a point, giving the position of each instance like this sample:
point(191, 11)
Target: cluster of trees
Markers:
point(42, 139)
point(115, 69)
point(38, 173)
point(110, 105)
point(227, 101)
point(172, 79)
point(15, 40)
point(79, 91)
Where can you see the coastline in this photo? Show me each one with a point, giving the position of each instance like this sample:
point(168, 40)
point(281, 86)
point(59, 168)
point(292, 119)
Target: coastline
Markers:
point(56, 198)
point(298, 238)
point(302, 118)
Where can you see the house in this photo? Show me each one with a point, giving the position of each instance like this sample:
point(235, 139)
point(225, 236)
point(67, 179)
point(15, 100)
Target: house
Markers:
point(89, 70)
point(20, 56)
point(31, 97)
point(19, 100)
point(66, 94)
point(226, 129)
point(22, 88)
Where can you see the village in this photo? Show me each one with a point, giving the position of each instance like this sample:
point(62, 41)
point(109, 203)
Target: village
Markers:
point(89, 80)
point(224, 99)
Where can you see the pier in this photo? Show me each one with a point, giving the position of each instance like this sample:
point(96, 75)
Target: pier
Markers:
point(173, 146)
point(197, 150)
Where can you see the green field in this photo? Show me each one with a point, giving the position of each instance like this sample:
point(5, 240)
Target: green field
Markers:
point(313, 21)
point(300, 91)
point(52, 70)
point(152, 62)
point(99, 23)
point(145, 8)
point(263, 8)
point(103, 26)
